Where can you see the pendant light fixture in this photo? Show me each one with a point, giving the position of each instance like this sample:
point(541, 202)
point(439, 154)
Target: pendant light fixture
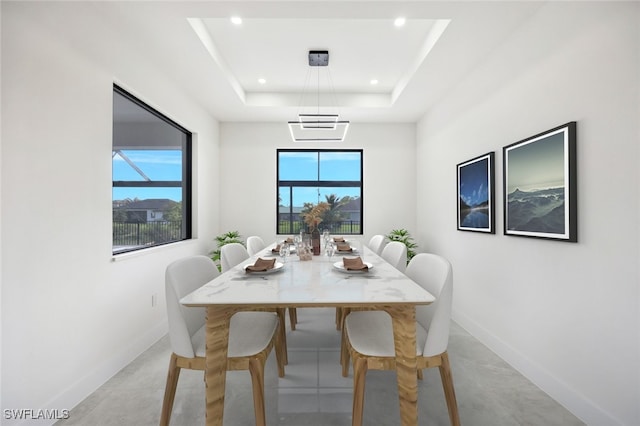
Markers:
point(314, 126)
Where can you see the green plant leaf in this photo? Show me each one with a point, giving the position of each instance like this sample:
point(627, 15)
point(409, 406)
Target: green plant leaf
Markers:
point(223, 239)
point(403, 236)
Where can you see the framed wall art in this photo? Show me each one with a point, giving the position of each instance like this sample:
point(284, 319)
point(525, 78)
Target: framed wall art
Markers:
point(476, 206)
point(540, 197)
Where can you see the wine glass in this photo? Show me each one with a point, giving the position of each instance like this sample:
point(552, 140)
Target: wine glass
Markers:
point(329, 248)
point(284, 252)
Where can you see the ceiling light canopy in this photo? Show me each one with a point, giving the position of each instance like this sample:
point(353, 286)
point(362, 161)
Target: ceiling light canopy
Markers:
point(317, 127)
point(400, 21)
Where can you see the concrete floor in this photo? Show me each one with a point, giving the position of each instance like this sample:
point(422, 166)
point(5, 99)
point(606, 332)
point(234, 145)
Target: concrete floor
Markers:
point(313, 392)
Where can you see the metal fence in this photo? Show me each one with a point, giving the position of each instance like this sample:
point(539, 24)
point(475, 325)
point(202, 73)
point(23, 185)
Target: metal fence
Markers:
point(130, 235)
point(143, 234)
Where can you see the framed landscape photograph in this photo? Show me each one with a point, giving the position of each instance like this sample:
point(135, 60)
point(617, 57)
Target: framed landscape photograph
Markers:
point(540, 197)
point(476, 181)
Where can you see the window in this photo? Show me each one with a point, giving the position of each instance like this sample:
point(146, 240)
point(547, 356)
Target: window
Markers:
point(307, 178)
point(151, 166)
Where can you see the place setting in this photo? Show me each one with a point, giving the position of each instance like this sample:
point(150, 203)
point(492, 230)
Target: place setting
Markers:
point(282, 249)
point(344, 248)
point(352, 265)
point(340, 246)
point(263, 267)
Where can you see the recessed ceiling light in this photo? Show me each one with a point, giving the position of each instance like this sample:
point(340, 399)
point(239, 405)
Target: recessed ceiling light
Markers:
point(373, 82)
point(399, 22)
point(262, 81)
point(236, 20)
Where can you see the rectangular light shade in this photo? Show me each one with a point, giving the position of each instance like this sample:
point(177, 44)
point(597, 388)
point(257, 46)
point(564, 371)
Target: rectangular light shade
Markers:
point(318, 128)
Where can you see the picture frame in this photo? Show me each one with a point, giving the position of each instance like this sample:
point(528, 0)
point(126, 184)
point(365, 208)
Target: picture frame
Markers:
point(476, 188)
point(540, 187)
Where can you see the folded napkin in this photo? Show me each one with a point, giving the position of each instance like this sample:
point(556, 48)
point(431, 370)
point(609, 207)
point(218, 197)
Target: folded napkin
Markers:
point(261, 265)
point(354, 264)
point(276, 249)
point(344, 247)
point(338, 239)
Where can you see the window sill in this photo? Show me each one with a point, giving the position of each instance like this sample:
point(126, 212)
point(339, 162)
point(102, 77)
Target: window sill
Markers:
point(151, 250)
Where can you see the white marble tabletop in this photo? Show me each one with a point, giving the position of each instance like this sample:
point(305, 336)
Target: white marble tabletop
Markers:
point(315, 282)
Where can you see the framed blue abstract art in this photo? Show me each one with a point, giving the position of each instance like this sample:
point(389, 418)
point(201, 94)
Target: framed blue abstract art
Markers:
point(476, 204)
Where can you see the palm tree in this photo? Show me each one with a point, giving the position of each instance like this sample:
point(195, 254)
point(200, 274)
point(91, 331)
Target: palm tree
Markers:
point(333, 214)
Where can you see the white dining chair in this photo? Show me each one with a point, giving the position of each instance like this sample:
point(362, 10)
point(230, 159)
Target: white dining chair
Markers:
point(368, 335)
point(255, 244)
point(252, 335)
point(396, 254)
point(231, 255)
point(377, 243)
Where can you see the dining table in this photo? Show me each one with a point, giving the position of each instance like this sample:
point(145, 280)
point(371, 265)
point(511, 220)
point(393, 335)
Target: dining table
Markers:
point(320, 282)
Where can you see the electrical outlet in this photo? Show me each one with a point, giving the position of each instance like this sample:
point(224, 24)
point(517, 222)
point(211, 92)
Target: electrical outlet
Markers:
point(154, 300)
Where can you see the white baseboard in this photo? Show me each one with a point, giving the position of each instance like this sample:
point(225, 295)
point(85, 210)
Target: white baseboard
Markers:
point(577, 404)
point(86, 385)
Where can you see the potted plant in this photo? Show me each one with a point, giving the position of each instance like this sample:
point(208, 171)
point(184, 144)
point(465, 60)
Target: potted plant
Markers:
point(221, 240)
point(403, 236)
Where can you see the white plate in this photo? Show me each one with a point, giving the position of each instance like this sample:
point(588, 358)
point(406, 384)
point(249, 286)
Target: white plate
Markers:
point(271, 253)
point(276, 267)
point(339, 266)
point(347, 253)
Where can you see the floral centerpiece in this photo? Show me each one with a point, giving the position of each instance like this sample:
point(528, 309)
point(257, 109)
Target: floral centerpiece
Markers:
point(313, 217)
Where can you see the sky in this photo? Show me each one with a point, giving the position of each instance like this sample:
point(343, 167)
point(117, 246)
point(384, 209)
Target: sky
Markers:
point(157, 165)
point(344, 166)
point(167, 165)
point(312, 195)
point(537, 164)
point(474, 183)
point(303, 166)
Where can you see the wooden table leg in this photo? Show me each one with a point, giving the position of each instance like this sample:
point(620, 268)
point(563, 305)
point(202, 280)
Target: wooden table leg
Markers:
point(217, 343)
point(404, 337)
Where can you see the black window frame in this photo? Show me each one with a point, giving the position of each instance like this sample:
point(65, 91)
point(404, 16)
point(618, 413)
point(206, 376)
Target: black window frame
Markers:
point(187, 176)
point(317, 183)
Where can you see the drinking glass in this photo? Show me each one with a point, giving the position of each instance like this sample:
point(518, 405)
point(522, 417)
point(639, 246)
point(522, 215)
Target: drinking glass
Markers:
point(326, 236)
point(284, 252)
point(329, 248)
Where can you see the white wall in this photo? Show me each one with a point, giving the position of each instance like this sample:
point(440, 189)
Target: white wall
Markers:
point(249, 174)
point(71, 317)
point(1, 405)
point(564, 314)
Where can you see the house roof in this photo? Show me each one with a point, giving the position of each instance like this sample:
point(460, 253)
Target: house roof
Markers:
point(352, 205)
point(149, 204)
